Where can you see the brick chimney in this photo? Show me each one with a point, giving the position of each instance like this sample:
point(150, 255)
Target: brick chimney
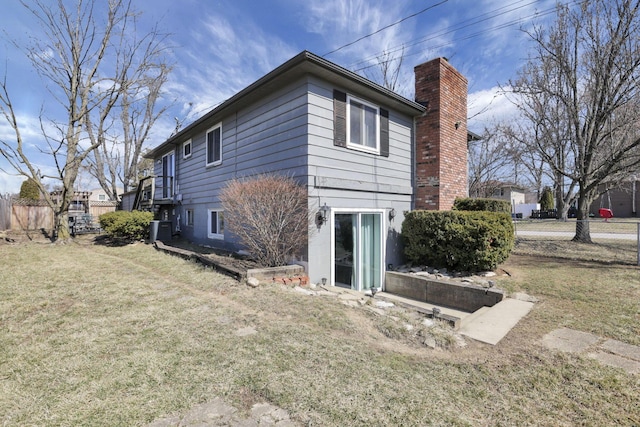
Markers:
point(441, 136)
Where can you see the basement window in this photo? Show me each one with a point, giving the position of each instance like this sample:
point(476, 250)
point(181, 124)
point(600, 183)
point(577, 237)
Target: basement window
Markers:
point(216, 224)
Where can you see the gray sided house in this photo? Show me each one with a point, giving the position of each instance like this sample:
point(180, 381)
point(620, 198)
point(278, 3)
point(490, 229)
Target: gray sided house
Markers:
point(622, 198)
point(349, 141)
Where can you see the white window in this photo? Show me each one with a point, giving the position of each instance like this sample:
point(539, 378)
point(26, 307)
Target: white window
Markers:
point(216, 224)
point(214, 145)
point(189, 218)
point(363, 124)
point(102, 197)
point(186, 150)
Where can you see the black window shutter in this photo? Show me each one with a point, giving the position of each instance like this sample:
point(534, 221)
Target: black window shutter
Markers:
point(384, 132)
point(339, 118)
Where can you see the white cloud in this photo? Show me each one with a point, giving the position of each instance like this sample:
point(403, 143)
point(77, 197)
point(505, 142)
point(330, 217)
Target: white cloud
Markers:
point(344, 18)
point(223, 58)
point(490, 106)
point(10, 184)
point(342, 22)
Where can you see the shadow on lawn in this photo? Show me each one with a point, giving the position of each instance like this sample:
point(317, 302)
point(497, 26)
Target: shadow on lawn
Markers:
point(112, 242)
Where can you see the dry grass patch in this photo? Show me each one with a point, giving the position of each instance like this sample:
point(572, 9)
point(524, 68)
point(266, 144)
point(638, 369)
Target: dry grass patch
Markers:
point(95, 335)
point(590, 287)
point(602, 252)
point(596, 225)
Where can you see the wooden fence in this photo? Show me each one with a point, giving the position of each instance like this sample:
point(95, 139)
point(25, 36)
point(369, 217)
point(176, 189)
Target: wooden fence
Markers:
point(31, 215)
point(23, 215)
point(102, 207)
point(5, 212)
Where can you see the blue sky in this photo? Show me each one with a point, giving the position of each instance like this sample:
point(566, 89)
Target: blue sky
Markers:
point(222, 46)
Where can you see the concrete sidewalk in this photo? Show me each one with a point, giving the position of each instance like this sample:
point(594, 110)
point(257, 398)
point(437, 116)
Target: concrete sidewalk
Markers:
point(614, 236)
point(606, 351)
point(493, 323)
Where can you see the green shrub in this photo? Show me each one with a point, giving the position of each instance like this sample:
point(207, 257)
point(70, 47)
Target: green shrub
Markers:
point(29, 190)
point(132, 225)
point(460, 241)
point(546, 199)
point(491, 205)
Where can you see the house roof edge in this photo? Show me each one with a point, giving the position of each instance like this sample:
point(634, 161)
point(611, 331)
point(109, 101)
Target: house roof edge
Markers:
point(297, 61)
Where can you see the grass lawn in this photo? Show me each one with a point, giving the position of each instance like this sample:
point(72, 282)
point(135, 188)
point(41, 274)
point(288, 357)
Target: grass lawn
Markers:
point(99, 335)
point(596, 225)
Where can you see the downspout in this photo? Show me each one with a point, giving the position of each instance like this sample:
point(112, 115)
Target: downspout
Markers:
point(176, 210)
point(235, 148)
point(414, 168)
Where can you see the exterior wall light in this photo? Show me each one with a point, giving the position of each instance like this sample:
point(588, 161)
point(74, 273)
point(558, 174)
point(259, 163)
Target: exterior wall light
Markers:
point(321, 217)
point(392, 214)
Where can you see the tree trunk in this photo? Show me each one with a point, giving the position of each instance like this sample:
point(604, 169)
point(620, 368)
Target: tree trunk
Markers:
point(562, 209)
point(583, 234)
point(62, 232)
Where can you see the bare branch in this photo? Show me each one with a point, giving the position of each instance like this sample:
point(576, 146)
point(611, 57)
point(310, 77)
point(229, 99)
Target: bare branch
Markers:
point(90, 55)
point(580, 94)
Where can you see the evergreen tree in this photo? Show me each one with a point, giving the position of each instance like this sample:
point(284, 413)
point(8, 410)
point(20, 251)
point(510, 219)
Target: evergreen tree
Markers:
point(546, 200)
point(29, 190)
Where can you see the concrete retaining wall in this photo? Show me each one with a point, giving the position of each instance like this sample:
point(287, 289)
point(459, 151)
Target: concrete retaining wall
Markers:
point(270, 273)
point(460, 296)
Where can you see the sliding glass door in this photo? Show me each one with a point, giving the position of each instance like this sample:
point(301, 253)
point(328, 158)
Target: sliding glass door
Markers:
point(358, 250)
point(370, 249)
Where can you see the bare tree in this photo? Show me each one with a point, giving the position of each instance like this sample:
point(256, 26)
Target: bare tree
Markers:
point(534, 152)
point(85, 62)
point(491, 162)
point(530, 168)
point(579, 91)
point(387, 70)
point(270, 215)
point(115, 163)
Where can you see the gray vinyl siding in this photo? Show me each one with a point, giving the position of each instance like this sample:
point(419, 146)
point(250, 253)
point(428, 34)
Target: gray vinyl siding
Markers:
point(346, 178)
point(268, 137)
point(327, 160)
point(291, 132)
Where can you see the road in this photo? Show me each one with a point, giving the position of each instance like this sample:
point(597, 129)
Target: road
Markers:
point(618, 236)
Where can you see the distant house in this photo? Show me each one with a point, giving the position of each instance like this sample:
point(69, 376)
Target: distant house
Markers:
point(514, 193)
point(511, 192)
point(623, 199)
point(99, 195)
point(500, 190)
point(79, 204)
point(37, 214)
point(366, 155)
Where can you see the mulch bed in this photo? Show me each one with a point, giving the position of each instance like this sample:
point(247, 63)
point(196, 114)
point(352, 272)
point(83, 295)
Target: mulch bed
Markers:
point(225, 262)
